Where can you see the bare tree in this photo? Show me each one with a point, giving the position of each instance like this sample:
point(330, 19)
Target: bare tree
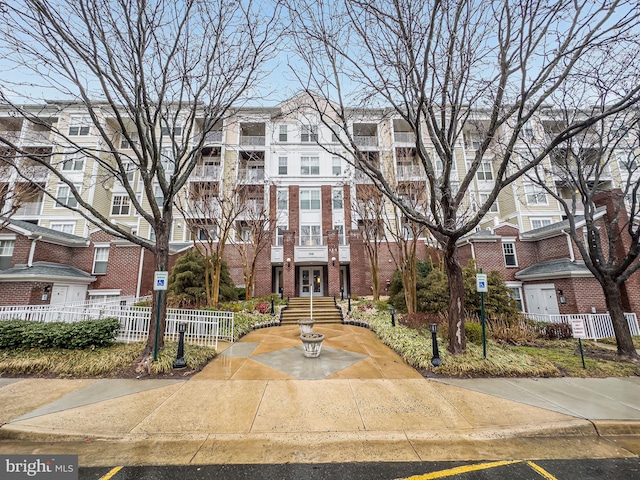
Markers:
point(158, 75)
point(253, 232)
point(369, 207)
point(595, 178)
point(457, 67)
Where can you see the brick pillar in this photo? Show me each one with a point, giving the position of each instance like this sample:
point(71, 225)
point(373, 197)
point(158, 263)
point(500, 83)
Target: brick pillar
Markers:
point(333, 267)
point(288, 269)
point(358, 284)
point(347, 207)
point(327, 210)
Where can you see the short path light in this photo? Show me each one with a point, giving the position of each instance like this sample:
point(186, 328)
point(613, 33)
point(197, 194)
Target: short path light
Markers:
point(349, 303)
point(392, 311)
point(179, 362)
point(273, 310)
point(435, 361)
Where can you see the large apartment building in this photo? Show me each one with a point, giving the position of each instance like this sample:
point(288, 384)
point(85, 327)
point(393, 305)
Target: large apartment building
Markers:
point(282, 163)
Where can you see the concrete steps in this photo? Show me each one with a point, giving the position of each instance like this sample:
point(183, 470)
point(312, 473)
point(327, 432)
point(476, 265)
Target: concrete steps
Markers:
point(324, 311)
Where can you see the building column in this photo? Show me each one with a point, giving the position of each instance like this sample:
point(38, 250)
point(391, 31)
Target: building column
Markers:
point(288, 263)
point(359, 266)
point(333, 267)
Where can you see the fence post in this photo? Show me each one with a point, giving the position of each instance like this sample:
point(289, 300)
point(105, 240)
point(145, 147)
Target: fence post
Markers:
point(591, 328)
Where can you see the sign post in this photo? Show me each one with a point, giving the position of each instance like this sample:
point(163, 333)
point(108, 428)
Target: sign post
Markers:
point(160, 283)
point(578, 331)
point(482, 287)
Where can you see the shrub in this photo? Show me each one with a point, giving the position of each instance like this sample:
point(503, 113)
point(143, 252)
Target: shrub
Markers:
point(263, 307)
point(473, 332)
point(558, 331)
point(76, 335)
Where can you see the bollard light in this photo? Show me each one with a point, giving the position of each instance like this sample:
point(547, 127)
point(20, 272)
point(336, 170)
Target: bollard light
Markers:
point(179, 362)
point(349, 300)
point(392, 311)
point(273, 310)
point(435, 361)
point(341, 293)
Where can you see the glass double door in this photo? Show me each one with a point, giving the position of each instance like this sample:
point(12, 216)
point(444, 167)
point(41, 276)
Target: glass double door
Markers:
point(311, 278)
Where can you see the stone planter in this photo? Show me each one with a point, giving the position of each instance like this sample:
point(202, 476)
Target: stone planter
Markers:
point(306, 325)
point(312, 344)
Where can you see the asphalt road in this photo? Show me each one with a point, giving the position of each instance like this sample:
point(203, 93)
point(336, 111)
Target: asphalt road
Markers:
point(585, 469)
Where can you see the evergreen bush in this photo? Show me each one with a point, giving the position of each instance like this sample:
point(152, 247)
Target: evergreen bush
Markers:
point(86, 334)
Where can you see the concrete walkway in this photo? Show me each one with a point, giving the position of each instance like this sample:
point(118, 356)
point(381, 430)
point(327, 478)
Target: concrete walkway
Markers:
point(262, 401)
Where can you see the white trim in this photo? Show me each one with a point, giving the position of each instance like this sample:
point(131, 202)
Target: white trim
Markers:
point(8, 236)
point(21, 277)
point(106, 291)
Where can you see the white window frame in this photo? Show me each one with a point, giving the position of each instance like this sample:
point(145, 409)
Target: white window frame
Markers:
point(100, 257)
point(7, 246)
point(283, 165)
point(311, 235)
point(516, 294)
point(165, 130)
point(483, 198)
point(70, 200)
point(337, 199)
point(64, 227)
point(73, 162)
point(508, 252)
point(283, 135)
point(309, 133)
point(336, 166)
point(485, 170)
point(79, 126)
point(533, 194)
point(122, 204)
point(311, 198)
point(130, 168)
point(280, 229)
point(128, 145)
point(282, 199)
point(341, 237)
point(309, 165)
point(546, 221)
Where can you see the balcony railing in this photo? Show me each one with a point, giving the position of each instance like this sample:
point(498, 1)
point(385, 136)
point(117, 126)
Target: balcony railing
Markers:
point(404, 137)
point(29, 208)
point(214, 136)
point(208, 172)
point(11, 135)
point(312, 240)
point(252, 140)
point(411, 172)
point(208, 207)
point(361, 177)
point(253, 175)
point(365, 140)
point(36, 138)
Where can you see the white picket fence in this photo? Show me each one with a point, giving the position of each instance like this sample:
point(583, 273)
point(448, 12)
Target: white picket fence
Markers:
point(597, 325)
point(203, 327)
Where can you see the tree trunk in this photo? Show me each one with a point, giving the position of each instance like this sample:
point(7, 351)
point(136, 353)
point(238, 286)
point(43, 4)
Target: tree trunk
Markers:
point(613, 297)
point(408, 273)
point(215, 281)
point(375, 279)
point(159, 305)
point(457, 341)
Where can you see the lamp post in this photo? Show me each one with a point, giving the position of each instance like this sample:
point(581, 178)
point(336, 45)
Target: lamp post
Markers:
point(273, 310)
point(179, 362)
point(435, 361)
point(392, 311)
point(349, 300)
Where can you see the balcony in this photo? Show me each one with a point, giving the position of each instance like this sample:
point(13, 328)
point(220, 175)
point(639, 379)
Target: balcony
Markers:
point(404, 137)
point(29, 209)
point(252, 175)
point(207, 172)
point(252, 140)
point(10, 135)
point(214, 136)
point(411, 172)
point(209, 208)
point(361, 177)
point(365, 141)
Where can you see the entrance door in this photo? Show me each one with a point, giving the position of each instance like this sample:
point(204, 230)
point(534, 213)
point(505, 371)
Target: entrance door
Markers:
point(550, 301)
point(311, 277)
point(59, 294)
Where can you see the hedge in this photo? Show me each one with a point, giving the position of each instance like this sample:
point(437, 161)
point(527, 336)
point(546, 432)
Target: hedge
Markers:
point(73, 336)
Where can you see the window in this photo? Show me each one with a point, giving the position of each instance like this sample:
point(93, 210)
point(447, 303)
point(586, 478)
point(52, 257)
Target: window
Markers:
point(121, 205)
point(540, 222)
point(207, 233)
point(282, 165)
point(6, 253)
point(484, 171)
point(535, 195)
point(63, 227)
point(158, 195)
point(335, 138)
point(309, 166)
point(340, 229)
point(283, 133)
point(79, 126)
point(494, 206)
point(130, 168)
point(72, 163)
point(309, 199)
point(168, 160)
point(309, 133)
point(282, 199)
point(509, 251)
point(166, 130)
point(128, 144)
point(516, 294)
point(100, 260)
point(280, 235)
point(336, 194)
point(526, 133)
point(152, 234)
point(336, 166)
point(64, 197)
point(627, 162)
point(310, 235)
